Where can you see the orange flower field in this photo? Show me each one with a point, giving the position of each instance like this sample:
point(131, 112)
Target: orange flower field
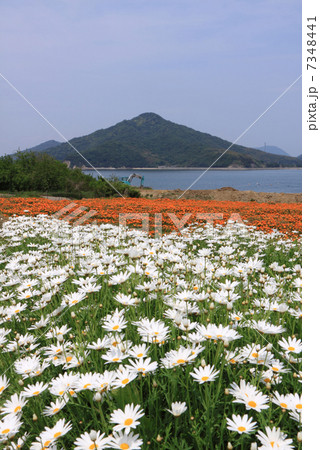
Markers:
point(265, 216)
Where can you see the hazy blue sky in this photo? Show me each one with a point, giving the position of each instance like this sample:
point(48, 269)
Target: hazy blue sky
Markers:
point(212, 65)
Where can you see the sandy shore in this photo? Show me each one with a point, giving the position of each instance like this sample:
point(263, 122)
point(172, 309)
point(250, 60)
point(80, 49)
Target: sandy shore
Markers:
point(191, 168)
point(224, 194)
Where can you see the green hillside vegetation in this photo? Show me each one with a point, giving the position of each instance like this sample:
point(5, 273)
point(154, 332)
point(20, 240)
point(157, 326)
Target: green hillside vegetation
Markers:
point(151, 141)
point(44, 146)
point(40, 173)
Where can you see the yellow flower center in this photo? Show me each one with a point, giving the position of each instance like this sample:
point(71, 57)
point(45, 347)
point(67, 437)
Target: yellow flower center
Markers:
point(68, 358)
point(299, 406)
point(5, 431)
point(140, 355)
point(275, 369)
point(92, 446)
point(205, 378)
point(18, 408)
point(254, 355)
point(56, 435)
point(181, 361)
point(56, 410)
point(115, 359)
point(241, 429)
point(1, 388)
point(36, 393)
point(86, 385)
point(124, 446)
point(128, 422)
point(115, 327)
point(252, 404)
point(125, 381)
point(283, 405)
point(46, 444)
point(291, 349)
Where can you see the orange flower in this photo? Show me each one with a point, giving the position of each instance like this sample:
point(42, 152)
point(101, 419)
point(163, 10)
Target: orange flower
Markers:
point(265, 216)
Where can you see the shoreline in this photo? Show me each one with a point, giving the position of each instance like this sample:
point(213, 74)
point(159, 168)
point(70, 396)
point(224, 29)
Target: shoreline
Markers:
point(191, 168)
point(228, 194)
point(223, 194)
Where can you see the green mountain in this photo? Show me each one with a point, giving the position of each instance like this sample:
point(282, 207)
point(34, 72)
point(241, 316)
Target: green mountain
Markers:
point(151, 141)
point(44, 146)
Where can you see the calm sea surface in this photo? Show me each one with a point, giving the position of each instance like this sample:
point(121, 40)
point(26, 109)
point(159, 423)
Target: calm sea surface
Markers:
point(272, 180)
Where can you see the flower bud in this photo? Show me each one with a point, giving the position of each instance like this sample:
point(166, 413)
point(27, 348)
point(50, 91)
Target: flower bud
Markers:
point(254, 446)
point(73, 315)
point(93, 435)
point(299, 436)
point(34, 417)
point(97, 397)
point(203, 363)
point(229, 446)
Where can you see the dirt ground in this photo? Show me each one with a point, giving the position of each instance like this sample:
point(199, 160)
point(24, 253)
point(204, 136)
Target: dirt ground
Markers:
point(224, 194)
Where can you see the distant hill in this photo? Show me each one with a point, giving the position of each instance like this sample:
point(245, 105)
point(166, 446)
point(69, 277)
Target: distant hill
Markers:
point(273, 149)
point(148, 140)
point(44, 146)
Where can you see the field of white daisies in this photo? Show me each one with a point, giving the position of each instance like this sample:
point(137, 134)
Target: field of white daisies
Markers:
point(113, 339)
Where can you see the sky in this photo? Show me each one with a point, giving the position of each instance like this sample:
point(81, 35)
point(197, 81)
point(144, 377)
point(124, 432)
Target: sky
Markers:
point(212, 65)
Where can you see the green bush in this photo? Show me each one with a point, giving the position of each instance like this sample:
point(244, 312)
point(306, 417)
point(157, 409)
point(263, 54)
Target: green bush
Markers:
point(39, 172)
